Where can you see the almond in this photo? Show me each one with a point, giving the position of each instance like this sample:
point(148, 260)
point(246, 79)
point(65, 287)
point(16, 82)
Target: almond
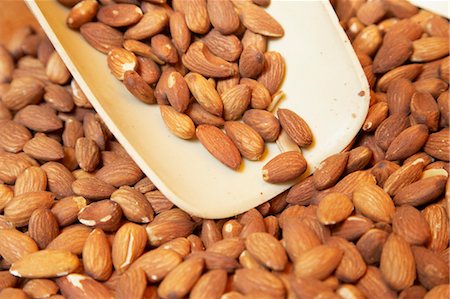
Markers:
point(389, 129)
point(298, 238)
point(180, 280)
point(121, 173)
point(73, 129)
point(134, 204)
point(334, 208)
point(406, 28)
point(59, 98)
point(318, 262)
point(7, 64)
point(263, 122)
point(13, 136)
point(434, 86)
point(20, 208)
point(101, 37)
point(162, 231)
point(330, 170)
point(43, 227)
point(373, 283)
point(164, 49)
point(59, 179)
point(128, 244)
point(248, 280)
point(399, 94)
point(431, 269)
point(177, 91)
point(38, 118)
point(82, 13)
point(120, 61)
point(104, 214)
point(429, 48)
point(15, 245)
point(421, 192)
point(257, 19)
point(97, 255)
point(273, 72)
point(119, 15)
point(199, 59)
point(178, 123)
point(223, 16)
point(151, 23)
point(138, 87)
point(295, 126)
point(371, 12)
point(196, 15)
point(92, 188)
point(142, 51)
point(71, 238)
point(6, 195)
point(131, 284)
point(219, 145)
point(45, 264)
point(251, 62)
point(409, 72)
point(411, 225)
point(392, 54)
point(368, 40)
point(210, 285)
point(204, 93)
point(227, 47)
point(247, 140)
point(382, 170)
point(56, 70)
point(424, 110)
point(267, 250)
point(284, 167)
point(157, 263)
point(181, 36)
point(66, 209)
point(397, 263)
point(407, 143)
point(44, 148)
point(261, 98)
point(438, 145)
point(405, 175)
point(40, 288)
point(373, 202)
point(438, 222)
point(200, 116)
point(78, 285)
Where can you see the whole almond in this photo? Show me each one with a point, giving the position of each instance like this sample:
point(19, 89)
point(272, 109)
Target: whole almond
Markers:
point(92, 188)
point(104, 214)
point(330, 170)
point(438, 222)
point(132, 284)
point(399, 96)
point(251, 62)
point(119, 174)
point(429, 48)
point(45, 264)
point(298, 238)
point(409, 71)
point(295, 126)
point(267, 250)
point(434, 86)
point(60, 179)
point(56, 70)
point(284, 167)
point(71, 238)
point(318, 262)
point(257, 19)
point(87, 154)
point(20, 208)
point(248, 280)
point(101, 37)
point(196, 15)
point(200, 116)
point(82, 13)
point(210, 285)
point(151, 23)
point(373, 202)
point(273, 72)
point(181, 36)
point(397, 263)
point(235, 101)
point(438, 145)
point(138, 87)
point(411, 225)
point(389, 129)
point(405, 175)
point(43, 227)
point(227, 47)
point(406, 28)
point(59, 98)
point(33, 179)
point(22, 92)
point(148, 69)
point(13, 136)
point(134, 205)
point(407, 142)
point(177, 91)
point(352, 265)
point(373, 283)
point(120, 61)
point(40, 288)
point(66, 209)
point(370, 245)
point(73, 129)
point(334, 208)
point(368, 40)
point(78, 285)
point(247, 140)
point(421, 192)
point(219, 145)
point(261, 98)
point(128, 245)
point(162, 231)
point(178, 123)
point(425, 110)
point(157, 263)
point(204, 93)
point(119, 15)
point(44, 148)
point(371, 12)
point(431, 269)
point(15, 245)
point(38, 118)
point(180, 280)
point(97, 260)
point(223, 16)
point(164, 49)
point(392, 54)
point(263, 122)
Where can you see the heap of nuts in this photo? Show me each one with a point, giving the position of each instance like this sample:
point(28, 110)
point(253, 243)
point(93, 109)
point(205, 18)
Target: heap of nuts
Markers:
point(78, 219)
point(205, 63)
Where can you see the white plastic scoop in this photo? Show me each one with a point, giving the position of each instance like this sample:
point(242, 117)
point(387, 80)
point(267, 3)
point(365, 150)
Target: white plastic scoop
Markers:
point(324, 83)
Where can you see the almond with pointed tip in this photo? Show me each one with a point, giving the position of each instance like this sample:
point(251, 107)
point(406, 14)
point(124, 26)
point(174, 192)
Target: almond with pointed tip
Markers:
point(330, 170)
point(21, 207)
point(82, 13)
point(15, 245)
point(334, 208)
point(200, 116)
point(157, 263)
point(43, 227)
point(373, 202)
point(284, 167)
point(131, 284)
point(392, 54)
point(120, 61)
point(101, 36)
point(104, 214)
point(429, 48)
point(295, 127)
point(128, 245)
point(318, 262)
point(246, 139)
point(151, 23)
point(227, 47)
point(13, 136)
point(261, 98)
point(411, 225)
point(181, 36)
point(273, 72)
point(134, 205)
point(178, 123)
point(407, 142)
point(119, 15)
point(22, 92)
point(97, 255)
point(79, 286)
point(196, 15)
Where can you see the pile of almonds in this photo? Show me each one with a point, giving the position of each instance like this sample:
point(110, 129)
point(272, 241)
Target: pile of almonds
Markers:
point(205, 63)
point(78, 219)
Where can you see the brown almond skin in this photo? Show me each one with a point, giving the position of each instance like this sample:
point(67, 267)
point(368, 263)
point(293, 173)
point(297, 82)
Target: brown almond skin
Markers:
point(223, 16)
point(390, 128)
point(102, 37)
point(263, 122)
point(431, 269)
point(330, 170)
point(399, 96)
point(295, 126)
point(370, 245)
point(273, 72)
point(119, 15)
point(200, 116)
point(284, 167)
point(438, 145)
point(267, 250)
point(407, 142)
point(210, 285)
point(373, 283)
point(411, 225)
point(248, 280)
point(82, 13)
point(425, 110)
point(318, 262)
point(248, 141)
point(138, 87)
point(219, 145)
point(392, 54)
point(179, 31)
point(421, 192)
